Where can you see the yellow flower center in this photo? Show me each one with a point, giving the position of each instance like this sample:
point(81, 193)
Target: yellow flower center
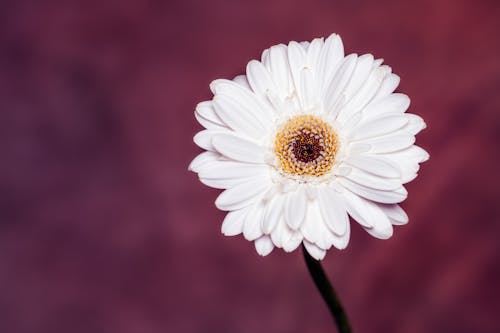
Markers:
point(306, 145)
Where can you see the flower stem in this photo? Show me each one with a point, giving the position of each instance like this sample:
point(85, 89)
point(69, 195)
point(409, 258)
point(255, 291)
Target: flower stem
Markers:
point(327, 292)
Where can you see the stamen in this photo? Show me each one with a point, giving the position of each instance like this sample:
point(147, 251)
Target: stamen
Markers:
point(306, 145)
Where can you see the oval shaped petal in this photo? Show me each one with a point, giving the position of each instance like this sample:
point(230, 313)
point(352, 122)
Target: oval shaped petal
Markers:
point(333, 210)
point(295, 208)
point(242, 195)
point(238, 148)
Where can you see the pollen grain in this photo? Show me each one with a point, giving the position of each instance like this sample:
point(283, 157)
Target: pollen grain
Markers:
point(306, 146)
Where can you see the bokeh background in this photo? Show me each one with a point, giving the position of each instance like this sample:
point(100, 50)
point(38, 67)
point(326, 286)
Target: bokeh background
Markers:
point(103, 229)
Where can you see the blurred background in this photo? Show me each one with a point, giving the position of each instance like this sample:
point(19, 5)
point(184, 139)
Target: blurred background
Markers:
point(103, 229)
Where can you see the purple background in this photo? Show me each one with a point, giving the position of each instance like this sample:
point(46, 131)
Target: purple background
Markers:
point(102, 229)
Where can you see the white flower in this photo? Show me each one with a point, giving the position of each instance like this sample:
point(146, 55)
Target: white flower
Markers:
point(307, 137)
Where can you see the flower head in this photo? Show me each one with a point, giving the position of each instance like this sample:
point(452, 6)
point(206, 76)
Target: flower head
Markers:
point(307, 138)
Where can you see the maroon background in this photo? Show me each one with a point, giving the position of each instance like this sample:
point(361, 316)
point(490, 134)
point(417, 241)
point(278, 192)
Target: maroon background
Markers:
point(102, 229)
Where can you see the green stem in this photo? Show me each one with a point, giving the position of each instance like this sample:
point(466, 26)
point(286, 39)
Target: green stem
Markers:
point(327, 292)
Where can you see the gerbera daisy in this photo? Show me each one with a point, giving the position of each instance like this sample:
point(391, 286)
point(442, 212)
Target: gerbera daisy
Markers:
point(307, 138)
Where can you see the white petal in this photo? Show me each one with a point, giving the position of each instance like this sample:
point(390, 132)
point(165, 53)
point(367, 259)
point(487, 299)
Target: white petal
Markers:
point(417, 153)
point(206, 116)
point(412, 155)
point(271, 193)
point(358, 208)
point(333, 210)
point(288, 185)
point(226, 174)
point(335, 89)
point(315, 252)
point(202, 160)
point(242, 195)
point(382, 231)
point(238, 148)
point(369, 215)
point(409, 170)
point(296, 58)
point(285, 237)
point(232, 170)
point(394, 103)
point(341, 242)
point(273, 214)
point(408, 177)
point(330, 60)
point(253, 221)
point(233, 222)
point(379, 126)
point(203, 139)
point(221, 184)
point(295, 208)
point(363, 68)
point(311, 192)
point(264, 58)
point(308, 89)
point(313, 53)
point(380, 166)
point(387, 87)
point(359, 147)
point(314, 228)
point(372, 181)
point(310, 86)
point(277, 233)
point(408, 161)
point(342, 171)
point(291, 240)
point(206, 110)
point(263, 112)
point(280, 69)
point(363, 96)
point(238, 117)
point(242, 81)
point(350, 124)
point(395, 213)
point(387, 197)
point(264, 245)
point(329, 238)
point(260, 79)
point(207, 123)
point(389, 143)
point(415, 124)
point(382, 227)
